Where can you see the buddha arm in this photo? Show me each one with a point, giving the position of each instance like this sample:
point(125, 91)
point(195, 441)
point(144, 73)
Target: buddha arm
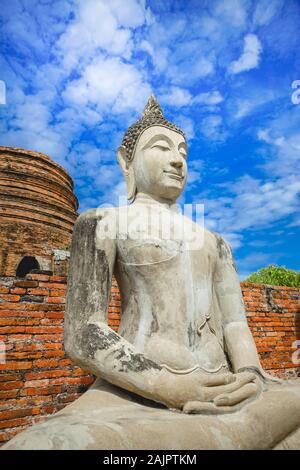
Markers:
point(88, 339)
point(239, 342)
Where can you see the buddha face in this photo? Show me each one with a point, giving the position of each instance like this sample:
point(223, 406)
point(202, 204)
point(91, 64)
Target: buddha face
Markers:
point(159, 165)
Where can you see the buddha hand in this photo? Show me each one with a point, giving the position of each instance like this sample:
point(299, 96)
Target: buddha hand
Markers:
point(266, 378)
point(199, 392)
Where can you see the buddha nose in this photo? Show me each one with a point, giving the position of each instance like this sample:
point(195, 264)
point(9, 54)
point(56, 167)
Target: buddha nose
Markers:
point(176, 162)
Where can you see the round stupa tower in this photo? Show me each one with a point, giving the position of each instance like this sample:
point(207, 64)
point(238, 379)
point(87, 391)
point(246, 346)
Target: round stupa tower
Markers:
point(38, 209)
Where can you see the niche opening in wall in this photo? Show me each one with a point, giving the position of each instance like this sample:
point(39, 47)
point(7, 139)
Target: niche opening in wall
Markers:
point(26, 265)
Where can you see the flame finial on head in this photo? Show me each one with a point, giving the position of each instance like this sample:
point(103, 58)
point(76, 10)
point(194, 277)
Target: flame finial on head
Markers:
point(152, 107)
point(152, 116)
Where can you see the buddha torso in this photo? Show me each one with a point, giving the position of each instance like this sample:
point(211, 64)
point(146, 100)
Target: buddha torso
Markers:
point(167, 291)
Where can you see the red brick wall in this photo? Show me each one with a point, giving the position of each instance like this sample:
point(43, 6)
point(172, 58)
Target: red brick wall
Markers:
point(38, 379)
point(273, 314)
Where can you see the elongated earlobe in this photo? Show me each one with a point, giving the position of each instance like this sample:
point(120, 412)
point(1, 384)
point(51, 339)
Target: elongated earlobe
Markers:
point(128, 172)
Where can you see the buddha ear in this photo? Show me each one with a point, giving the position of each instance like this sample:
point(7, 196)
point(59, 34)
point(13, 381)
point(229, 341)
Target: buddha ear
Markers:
point(127, 169)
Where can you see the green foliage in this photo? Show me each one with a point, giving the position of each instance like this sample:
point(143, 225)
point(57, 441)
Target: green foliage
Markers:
point(276, 276)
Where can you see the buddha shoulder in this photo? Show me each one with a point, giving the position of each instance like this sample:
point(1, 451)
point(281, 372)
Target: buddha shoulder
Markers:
point(221, 248)
point(101, 222)
point(217, 244)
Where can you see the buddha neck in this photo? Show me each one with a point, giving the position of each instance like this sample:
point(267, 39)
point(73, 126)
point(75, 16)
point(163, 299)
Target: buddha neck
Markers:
point(143, 198)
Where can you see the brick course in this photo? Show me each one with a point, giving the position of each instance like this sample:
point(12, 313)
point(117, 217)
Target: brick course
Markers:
point(37, 209)
point(38, 379)
point(273, 314)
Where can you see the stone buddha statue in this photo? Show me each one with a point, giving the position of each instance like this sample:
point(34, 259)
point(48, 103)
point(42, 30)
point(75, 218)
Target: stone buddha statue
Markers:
point(182, 372)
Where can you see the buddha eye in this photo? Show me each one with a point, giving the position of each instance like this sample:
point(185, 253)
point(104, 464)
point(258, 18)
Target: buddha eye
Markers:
point(161, 147)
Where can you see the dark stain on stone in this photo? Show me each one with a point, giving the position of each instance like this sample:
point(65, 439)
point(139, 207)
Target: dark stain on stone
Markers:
point(225, 251)
point(144, 401)
point(232, 260)
point(270, 301)
point(136, 362)
point(89, 273)
point(191, 334)
point(94, 339)
point(220, 246)
point(154, 324)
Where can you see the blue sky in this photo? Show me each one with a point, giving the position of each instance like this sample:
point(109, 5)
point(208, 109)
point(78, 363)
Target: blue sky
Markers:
point(77, 73)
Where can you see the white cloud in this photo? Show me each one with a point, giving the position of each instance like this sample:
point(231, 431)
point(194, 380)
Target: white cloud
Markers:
point(100, 26)
point(32, 115)
point(107, 189)
point(109, 83)
point(147, 47)
point(92, 52)
point(28, 127)
point(195, 170)
point(244, 107)
point(97, 180)
point(129, 14)
point(263, 134)
point(212, 128)
point(234, 11)
point(176, 96)
point(183, 67)
point(2, 92)
point(265, 11)
point(159, 55)
point(251, 100)
point(286, 160)
point(253, 204)
point(234, 239)
point(282, 139)
point(47, 141)
point(187, 126)
point(203, 67)
point(96, 45)
point(209, 98)
point(250, 57)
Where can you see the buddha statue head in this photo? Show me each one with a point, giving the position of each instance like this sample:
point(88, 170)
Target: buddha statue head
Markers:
point(153, 156)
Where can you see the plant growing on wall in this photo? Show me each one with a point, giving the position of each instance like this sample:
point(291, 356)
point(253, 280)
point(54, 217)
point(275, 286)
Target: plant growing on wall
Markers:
point(276, 276)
